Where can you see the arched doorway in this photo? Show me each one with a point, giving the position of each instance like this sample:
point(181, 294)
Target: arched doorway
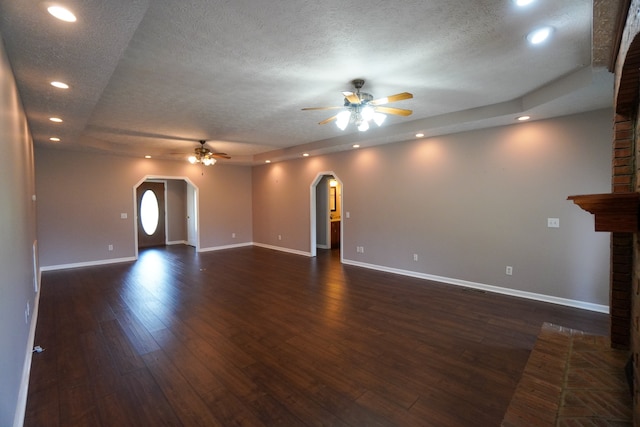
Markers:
point(176, 200)
point(326, 213)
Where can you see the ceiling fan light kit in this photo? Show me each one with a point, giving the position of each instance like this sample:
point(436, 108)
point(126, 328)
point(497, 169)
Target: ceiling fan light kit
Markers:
point(360, 108)
point(205, 160)
point(205, 156)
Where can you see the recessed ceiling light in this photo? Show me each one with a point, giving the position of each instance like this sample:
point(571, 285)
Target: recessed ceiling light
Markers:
point(306, 154)
point(539, 35)
point(147, 156)
point(419, 135)
point(62, 13)
point(356, 145)
point(267, 161)
point(523, 2)
point(60, 85)
point(55, 119)
point(523, 118)
point(54, 139)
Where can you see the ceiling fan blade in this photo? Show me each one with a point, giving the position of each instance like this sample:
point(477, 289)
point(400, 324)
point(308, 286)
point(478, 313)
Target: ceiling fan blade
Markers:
point(351, 97)
point(221, 155)
point(394, 111)
point(323, 108)
point(330, 119)
point(392, 98)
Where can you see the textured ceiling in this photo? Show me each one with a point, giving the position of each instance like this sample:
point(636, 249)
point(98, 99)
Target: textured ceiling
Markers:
point(151, 77)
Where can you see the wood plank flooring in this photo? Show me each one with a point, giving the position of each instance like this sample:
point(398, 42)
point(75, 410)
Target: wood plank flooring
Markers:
point(255, 337)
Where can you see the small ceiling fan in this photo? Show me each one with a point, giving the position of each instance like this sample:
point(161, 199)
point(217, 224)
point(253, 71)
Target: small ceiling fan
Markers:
point(205, 156)
point(360, 108)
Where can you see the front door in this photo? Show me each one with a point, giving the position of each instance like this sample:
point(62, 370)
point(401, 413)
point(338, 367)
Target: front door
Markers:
point(151, 222)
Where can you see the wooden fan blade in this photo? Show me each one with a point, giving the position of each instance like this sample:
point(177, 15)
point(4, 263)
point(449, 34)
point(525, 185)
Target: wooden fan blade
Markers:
point(392, 98)
point(330, 119)
point(351, 97)
point(394, 111)
point(221, 155)
point(323, 108)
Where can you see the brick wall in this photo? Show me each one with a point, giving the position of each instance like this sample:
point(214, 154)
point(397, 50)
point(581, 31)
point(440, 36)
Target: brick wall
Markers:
point(625, 249)
point(633, 293)
point(626, 331)
point(622, 244)
point(623, 151)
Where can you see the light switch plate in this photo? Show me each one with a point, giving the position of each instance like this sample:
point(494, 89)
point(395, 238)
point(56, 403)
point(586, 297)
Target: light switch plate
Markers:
point(553, 222)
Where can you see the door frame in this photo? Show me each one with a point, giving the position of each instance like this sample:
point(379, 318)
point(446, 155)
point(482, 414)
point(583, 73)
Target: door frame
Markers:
point(163, 178)
point(192, 216)
point(313, 250)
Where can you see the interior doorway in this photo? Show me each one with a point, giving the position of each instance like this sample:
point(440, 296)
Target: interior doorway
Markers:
point(326, 213)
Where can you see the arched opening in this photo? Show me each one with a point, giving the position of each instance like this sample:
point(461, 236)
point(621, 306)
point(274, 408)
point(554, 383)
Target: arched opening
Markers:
point(165, 212)
point(327, 224)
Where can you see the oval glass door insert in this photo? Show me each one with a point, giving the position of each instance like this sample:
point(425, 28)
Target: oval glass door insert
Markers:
point(149, 212)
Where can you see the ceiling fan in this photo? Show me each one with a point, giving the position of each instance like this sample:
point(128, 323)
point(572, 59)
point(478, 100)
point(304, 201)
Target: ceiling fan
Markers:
point(360, 108)
point(205, 156)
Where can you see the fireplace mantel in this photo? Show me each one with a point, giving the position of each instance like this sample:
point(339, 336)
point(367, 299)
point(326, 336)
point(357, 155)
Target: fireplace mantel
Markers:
point(615, 212)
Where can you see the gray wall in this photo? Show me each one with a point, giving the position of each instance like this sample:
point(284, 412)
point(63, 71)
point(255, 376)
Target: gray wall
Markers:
point(468, 204)
point(17, 235)
point(81, 197)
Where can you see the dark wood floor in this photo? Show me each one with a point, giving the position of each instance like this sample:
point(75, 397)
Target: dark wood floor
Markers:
point(256, 337)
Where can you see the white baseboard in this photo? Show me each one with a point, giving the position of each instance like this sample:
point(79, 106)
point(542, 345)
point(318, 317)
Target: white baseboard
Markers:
point(484, 287)
point(18, 419)
point(86, 264)
point(281, 249)
point(177, 242)
point(220, 248)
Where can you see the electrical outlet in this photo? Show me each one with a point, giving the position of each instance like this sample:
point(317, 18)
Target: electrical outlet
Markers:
point(509, 270)
point(279, 236)
point(415, 257)
point(233, 235)
point(553, 222)
point(110, 247)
